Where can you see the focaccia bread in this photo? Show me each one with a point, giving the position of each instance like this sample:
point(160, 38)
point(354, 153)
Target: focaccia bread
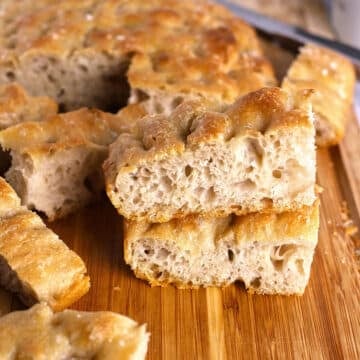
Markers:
point(270, 253)
point(39, 334)
point(56, 164)
point(79, 52)
point(333, 78)
point(34, 262)
point(17, 106)
point(258, 155)
point(165, 79)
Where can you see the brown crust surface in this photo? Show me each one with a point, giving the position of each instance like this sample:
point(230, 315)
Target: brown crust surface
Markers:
point(268, 110)
point(88, 127)
point(333, 78)
point(213, 53)
point(38, 333)
point(35, 262)
point(16, 106)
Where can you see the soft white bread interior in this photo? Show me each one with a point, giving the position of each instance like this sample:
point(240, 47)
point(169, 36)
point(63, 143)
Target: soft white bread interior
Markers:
point(333, 78)
point(257, 155)
point(56, 164)
point(34, 262)
point(38, 334)
point(270, 253)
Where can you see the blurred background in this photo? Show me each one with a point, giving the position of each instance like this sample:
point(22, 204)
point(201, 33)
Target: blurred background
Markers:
point(329, 18)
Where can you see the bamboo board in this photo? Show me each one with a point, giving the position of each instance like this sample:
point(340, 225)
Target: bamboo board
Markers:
point(229, 323)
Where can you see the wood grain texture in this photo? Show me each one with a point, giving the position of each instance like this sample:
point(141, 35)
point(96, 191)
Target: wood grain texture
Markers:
point(229, 323)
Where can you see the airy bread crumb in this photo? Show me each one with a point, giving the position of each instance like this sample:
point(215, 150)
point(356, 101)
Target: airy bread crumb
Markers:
point(56, 164)
point(258, 155)
point(269, 253)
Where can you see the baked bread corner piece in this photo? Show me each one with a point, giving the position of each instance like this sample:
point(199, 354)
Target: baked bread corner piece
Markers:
point(333, 78)
point(56, 164)
point(38, 333)
point(270, 253)
point(34, 262)
point(258, 155)
point(17, 106)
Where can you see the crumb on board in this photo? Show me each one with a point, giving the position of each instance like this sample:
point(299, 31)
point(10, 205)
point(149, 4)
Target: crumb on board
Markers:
point(116, 288)
point(348, 225)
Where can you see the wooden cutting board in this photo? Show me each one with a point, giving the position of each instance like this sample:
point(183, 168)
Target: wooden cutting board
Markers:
point(229, 323)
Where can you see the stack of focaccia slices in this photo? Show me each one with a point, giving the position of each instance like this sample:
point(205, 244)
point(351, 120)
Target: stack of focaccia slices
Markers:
point(213, 197)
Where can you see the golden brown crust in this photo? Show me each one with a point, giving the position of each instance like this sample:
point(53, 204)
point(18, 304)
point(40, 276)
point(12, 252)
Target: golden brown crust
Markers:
point(38, 333)
point(88, 127)
point(264, 111)
point(188, 286)
point(9, 200)
point(17, 106)
point(333, 78)
point(213, 53)
point(34, 261)
point(194, 233)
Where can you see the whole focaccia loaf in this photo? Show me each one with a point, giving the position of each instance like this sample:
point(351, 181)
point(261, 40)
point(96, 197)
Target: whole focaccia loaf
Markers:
point(333, 78)
point(258, 155)
point(34, 262)
point(56, 163)
point(39, 334)
point(270, 253)
point(80, 52)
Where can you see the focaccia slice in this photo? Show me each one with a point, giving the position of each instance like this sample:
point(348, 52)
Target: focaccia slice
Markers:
point(38, 333)
point(34, 262)
point(270, 253)
point(333, 78)
point(258, 155)
point(56, 164)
